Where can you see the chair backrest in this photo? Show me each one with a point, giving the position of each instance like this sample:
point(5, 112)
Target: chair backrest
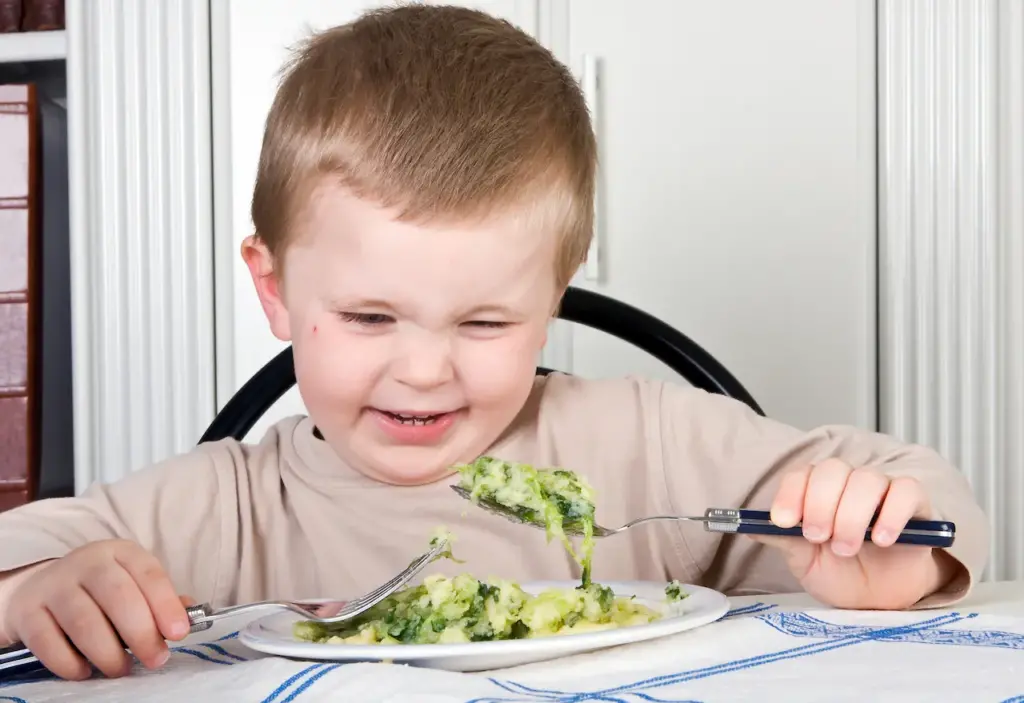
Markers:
point(657, 338)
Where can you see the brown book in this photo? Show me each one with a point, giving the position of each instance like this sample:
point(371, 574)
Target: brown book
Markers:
point(19, 293)
point(42, 15)
point(10, 16)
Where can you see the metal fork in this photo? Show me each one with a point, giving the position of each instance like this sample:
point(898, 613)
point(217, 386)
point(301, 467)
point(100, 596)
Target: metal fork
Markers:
point(926, 533)
point(16, 660)
point(202, 617)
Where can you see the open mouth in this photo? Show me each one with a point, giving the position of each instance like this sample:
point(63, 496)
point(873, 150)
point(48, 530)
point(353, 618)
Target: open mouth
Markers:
point(413, 420)
point(414, 427)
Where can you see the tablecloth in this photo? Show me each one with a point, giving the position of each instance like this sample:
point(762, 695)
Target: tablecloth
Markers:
point(760, 651)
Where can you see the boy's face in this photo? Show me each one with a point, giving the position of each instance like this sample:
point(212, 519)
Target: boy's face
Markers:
point(415, 346)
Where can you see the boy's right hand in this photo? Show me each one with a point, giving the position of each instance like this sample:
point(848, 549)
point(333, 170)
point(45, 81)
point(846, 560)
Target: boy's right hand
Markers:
point(91, 597)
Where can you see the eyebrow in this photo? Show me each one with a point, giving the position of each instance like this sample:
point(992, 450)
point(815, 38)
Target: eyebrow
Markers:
point(492, 309)
point(363, 303)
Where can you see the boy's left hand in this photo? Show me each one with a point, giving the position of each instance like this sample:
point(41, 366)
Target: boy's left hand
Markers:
point(834, 563)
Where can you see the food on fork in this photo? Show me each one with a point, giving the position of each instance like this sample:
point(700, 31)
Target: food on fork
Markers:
point(463, 608)
point(554, 498)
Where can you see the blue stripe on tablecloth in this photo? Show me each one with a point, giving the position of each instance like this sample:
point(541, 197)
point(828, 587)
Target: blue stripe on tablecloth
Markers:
point(221, 651)
point(635, 688)
point(748, 610)
point(291, 680)
point(200, 655)
point(804, 625)
point(309, 682)
point(563, 697)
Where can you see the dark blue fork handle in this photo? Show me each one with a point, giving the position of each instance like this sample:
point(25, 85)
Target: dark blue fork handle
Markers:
point(16, 662)
point(924, 533)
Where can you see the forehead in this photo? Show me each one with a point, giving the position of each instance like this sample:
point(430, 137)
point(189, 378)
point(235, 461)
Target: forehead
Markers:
point(354, 246)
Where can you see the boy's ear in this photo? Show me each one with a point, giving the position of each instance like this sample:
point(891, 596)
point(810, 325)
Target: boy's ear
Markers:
point(268, 286)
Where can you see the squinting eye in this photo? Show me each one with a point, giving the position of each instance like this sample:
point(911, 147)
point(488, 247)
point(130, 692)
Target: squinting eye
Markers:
point(366, 318)
point(487, 323)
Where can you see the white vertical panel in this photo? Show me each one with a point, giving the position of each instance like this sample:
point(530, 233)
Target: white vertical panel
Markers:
point(1010, 324)
point(141, 232)
point(951, 264)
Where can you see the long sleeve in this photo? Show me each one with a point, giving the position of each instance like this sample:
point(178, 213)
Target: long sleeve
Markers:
point(733, 457)
point(173, 509)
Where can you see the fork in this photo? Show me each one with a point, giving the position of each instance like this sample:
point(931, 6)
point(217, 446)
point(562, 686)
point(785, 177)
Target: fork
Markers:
point(926, 533)
point(16, 660)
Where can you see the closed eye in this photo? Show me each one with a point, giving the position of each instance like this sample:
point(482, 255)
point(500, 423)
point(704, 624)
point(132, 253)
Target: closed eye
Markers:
point(370, 319)
point(490, 324)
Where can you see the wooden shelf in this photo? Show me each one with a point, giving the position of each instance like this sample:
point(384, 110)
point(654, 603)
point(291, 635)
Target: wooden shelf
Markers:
point(20, 47)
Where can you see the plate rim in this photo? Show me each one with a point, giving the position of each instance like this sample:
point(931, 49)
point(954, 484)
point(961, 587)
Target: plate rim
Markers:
point(600, 639)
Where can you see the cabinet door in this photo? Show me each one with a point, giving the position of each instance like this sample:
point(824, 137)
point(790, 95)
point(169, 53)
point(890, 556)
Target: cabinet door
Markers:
point(737, 198)
point(249, 48)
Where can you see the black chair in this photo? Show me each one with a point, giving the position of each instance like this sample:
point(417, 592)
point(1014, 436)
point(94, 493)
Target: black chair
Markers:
point(670, 346)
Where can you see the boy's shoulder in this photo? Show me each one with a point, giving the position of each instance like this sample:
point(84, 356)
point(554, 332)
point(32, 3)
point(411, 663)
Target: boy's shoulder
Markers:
point(211, 463)
point(617, 398)
point(568, 414)
point(624, 416)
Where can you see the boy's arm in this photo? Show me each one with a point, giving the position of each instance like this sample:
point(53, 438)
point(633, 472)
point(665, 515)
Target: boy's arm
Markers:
point(174, 509)
point(719, 453)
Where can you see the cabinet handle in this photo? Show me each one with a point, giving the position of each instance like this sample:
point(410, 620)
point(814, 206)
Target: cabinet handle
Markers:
point(590, 84)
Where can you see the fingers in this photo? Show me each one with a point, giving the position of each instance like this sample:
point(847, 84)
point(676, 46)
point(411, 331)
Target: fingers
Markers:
point(41, 634)
point(788, 507)
point(837, 503)
point(87, 627)
point(904, 499)
point(118, 595)
point(166, 606)
point(89, 605)
point(864, 492)
point(825, 487)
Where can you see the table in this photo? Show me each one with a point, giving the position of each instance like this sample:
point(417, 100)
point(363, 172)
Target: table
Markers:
point(778, 648)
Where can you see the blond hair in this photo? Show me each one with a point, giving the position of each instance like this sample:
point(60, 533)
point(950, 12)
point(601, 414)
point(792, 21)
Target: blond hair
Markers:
point(441, 113)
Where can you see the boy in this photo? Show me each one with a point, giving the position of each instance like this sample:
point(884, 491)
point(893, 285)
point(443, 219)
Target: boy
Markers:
point(423, 198)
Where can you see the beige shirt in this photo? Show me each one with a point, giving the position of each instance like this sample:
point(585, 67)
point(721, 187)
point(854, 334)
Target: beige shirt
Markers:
point(285, 518)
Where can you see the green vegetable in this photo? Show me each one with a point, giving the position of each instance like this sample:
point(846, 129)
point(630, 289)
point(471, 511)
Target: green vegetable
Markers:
point(674, 592)
point(554, 498)
point(443, 535)
point(463, 609)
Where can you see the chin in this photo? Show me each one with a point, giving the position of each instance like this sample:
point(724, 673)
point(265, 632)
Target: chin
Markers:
point(406, 466)
point(417, 475)
point(417, 465)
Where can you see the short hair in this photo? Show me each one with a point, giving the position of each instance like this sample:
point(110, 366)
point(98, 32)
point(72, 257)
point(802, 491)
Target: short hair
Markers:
point(441, 113)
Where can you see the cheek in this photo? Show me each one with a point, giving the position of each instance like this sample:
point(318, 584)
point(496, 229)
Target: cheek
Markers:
point(499, 371)
point(334, 368)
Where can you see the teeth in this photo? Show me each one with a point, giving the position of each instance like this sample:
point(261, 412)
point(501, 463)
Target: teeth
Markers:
point(414, 420)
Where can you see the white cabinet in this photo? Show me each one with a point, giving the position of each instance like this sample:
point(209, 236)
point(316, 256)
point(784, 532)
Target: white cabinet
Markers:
point(737, 199)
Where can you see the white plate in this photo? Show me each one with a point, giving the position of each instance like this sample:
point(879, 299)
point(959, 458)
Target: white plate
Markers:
point(273, 635)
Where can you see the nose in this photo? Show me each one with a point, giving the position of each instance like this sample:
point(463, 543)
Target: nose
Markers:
point(424, 362)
